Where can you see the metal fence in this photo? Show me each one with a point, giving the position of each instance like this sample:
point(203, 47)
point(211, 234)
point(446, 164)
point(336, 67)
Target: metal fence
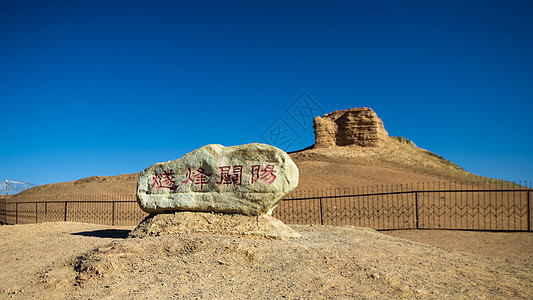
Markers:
point(119, 210)
point(416, 206)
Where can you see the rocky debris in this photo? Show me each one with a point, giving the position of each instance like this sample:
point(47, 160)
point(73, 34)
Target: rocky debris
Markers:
point(263, 226)
point(248, 179)
point(403, 140)
point(356, 126)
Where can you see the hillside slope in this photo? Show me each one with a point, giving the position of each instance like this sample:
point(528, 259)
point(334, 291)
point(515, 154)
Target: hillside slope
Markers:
point(392, 163)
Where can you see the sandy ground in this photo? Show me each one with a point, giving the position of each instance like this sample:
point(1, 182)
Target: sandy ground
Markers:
point(516, 246)
point(86, 261)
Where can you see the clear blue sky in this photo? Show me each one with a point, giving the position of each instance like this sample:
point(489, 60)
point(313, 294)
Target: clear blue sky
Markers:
point(109, 87)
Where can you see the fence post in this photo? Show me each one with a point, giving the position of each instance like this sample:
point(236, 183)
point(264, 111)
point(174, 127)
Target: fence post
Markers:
point(36, 212)
point(321, 216)
point(65, 211)
point(528, 210)
point(416, 210)
point(113, 214)
point(16, 212)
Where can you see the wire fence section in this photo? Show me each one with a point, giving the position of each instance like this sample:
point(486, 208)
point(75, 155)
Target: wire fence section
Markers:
point(415, 206)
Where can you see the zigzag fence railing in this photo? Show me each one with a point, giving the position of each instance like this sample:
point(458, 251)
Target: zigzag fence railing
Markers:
point(421, 206)
point(441, 205)
point(116, 210)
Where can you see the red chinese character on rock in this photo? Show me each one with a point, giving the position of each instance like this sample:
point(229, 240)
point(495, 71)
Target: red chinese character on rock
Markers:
point(225, 177)
point(165, 180)
point(198, 177)
point(237, 175)
point(266, 175)
point(228, 178)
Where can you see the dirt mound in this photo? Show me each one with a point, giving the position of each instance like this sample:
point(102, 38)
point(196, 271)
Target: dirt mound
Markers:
point(124, 184)
point(393, 163)
point(229, 224)
point(113, 179)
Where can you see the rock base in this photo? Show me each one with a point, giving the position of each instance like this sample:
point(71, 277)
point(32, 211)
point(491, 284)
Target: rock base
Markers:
point(263, 226)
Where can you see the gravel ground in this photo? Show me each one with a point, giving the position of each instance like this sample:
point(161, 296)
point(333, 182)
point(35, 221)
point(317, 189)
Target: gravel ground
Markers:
point(85, 261)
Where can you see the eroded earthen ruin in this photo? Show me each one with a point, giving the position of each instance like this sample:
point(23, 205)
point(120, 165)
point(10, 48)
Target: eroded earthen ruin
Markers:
point(358, 126)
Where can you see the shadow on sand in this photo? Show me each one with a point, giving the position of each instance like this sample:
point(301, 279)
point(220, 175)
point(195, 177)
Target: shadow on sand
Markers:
point(105, 233)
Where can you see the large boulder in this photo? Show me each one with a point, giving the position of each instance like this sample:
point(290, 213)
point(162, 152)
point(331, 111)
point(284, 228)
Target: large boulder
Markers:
point(247, 179)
